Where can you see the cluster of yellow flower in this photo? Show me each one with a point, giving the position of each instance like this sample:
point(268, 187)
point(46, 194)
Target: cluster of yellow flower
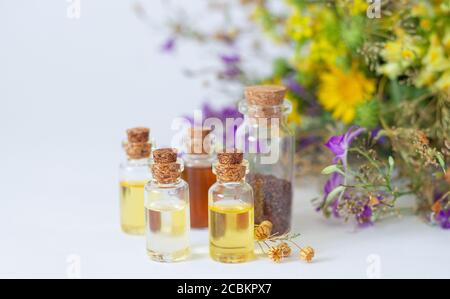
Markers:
point(428, 52)
point(412, 39)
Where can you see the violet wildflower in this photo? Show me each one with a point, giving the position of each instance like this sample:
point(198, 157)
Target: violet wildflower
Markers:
point(169, 45)
point(443, 218)
point(364, 218)
point(228, 112)
point(230, 59)
point(339, 145)
point(333, 182)
point(294, 86)
point(306, 141)
point(231, 63)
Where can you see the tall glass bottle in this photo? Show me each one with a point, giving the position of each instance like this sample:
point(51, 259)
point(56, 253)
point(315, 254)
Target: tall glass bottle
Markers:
point(198, 174)
point(231, 211)
point(269, 144)
point(167, 209)
point(133, 175)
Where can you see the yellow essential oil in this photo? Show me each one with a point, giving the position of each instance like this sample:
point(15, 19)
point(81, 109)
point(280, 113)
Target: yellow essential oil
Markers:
point(167, 230)
point(231, 231)
point(132, 207)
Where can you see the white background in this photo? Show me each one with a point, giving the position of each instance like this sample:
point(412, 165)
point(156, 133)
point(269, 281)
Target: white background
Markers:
point(68, 90)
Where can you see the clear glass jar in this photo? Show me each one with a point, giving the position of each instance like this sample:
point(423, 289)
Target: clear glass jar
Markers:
point(269, 146)
point(134, 174)
point(167, 219)
point(231, 221)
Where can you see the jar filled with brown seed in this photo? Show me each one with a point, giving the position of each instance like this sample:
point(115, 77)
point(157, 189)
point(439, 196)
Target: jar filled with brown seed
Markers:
point(269, 146)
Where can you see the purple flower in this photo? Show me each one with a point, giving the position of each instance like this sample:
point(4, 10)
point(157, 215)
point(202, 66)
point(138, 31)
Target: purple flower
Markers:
point(169, 45)
point(306, 141)
point(229, 112)
point(339, 145)
point(293, 85)
point(365, 217)
point(333, 182)
point(231, 72)
point(443, 218)
point(230, 59)
point(231, 63)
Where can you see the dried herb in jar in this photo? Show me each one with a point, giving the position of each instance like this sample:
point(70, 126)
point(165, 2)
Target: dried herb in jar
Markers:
point(273, 201)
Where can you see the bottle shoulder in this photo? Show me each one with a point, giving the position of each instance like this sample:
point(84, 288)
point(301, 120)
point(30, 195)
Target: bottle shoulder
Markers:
point(251, 126)
point(179, 185)
point(241, 187)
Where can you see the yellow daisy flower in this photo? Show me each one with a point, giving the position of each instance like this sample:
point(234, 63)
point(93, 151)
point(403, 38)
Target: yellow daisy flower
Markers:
point(340, 92)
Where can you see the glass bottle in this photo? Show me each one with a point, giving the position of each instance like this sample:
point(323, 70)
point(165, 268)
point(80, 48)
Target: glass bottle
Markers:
point(198, 174)
point(133, 175)
point(269, 146)
point(167, 209)
point(231, 212)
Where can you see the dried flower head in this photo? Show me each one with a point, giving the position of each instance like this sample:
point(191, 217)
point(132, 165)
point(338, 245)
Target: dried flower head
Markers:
point(447, 176)
point(275, 254)
point(437, 207)
point(263, 231)
point(285, 249)
point(373, 201)
point(307, 254)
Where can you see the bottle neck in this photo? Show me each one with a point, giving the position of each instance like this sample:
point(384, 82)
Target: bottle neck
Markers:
point(194, 160)
point(224, 182)
point(168, 185)
point(272, 114)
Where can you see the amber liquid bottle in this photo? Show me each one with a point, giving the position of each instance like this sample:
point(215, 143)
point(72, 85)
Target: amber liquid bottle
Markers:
point(198, 173)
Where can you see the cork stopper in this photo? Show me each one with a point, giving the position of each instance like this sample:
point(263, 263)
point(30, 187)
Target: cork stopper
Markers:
point(231, 157)
point(198, 141)
point(138, 146)
point(165, 156)
point(230, 166)
point(165, 168)
point(265, 95)
point(138, 135)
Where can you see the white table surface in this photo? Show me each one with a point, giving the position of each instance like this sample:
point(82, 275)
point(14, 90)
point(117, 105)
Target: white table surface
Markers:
point(51, 245)
point(69, 89)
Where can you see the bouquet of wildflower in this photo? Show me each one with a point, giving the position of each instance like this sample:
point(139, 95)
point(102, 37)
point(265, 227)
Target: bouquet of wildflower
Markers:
point(380, 68)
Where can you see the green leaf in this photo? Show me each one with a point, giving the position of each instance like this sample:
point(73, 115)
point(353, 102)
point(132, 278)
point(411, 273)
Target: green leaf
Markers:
point(281, 67)
point(441, 161)
point(334, 193)
point(391, 164)
point(332, 169)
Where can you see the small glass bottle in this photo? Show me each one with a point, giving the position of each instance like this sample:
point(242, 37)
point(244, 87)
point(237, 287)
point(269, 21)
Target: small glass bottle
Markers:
point(167, 209)
point(269, 146)
point(134, 175)
point(198, 173)
point(231, 211)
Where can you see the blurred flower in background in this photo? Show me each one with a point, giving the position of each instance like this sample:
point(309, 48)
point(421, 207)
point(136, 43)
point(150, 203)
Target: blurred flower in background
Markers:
point(342, 68)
